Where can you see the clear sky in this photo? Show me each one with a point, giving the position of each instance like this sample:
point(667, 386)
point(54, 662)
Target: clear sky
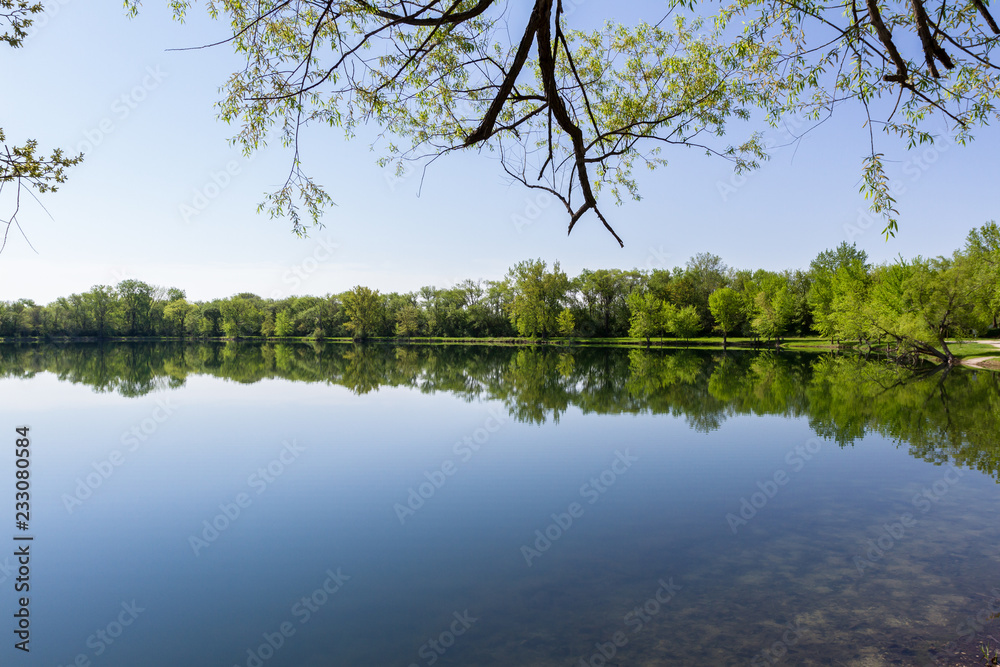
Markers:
point(89, 77)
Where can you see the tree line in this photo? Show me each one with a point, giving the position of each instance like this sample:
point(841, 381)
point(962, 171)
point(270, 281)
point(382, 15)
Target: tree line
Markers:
point(914, 306)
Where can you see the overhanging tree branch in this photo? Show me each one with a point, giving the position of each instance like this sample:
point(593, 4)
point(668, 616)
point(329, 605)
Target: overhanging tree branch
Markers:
point(580, 109)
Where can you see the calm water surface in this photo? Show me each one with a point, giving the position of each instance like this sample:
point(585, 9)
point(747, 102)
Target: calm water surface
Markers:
point(318, 506)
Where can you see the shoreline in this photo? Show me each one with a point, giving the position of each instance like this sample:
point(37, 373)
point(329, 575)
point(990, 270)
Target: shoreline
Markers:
point(984, 363)
point(793, 344)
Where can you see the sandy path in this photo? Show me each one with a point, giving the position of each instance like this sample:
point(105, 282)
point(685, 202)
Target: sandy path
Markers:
point(977, 362)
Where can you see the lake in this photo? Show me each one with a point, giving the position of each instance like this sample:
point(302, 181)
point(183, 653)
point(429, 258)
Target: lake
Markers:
point(306, 505)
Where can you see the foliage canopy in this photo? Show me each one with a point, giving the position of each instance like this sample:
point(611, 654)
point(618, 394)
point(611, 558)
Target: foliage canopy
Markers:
point(574, 110)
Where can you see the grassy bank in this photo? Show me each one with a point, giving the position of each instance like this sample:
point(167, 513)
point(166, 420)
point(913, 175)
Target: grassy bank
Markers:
point(969, 350)
point(962, 350)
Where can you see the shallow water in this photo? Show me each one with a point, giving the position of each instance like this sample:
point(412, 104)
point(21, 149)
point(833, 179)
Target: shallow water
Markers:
point(499, 507)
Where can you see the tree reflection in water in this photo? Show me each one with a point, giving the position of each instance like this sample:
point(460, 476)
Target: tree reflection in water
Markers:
point(940, 415)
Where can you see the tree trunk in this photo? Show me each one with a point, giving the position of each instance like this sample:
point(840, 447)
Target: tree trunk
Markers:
point(949, 357)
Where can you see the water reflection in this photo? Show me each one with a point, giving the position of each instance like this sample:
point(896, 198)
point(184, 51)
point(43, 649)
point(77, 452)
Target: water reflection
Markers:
point(751, 512)
point(939, 415)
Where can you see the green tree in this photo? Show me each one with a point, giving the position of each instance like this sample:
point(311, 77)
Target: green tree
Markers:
point(684, 322)
point(850, 288)
point(496, 306)
point(603, 294)
point(922, 303)
point(658, 282)
point(477, 317)
point(646, 317)
point(56, 318)
point(538, 297)
point(80, 314)
point(444, 310)
point(176, 314)
point(268, 327)
point(283, 326)
point(727, 310)
point(706, 273)
point(938, 66)
point(772, 313)
point(767, 302)
point(646, 85)
point(29, 318)
point(102, 304)
point(408, 321)
point(799, 284)
point(821, 272)
point(194, 323)
point(982, 248)
point(211, 321)
point(242, 315)
point(566, 323)
point(365, 310)
point(305, 314)
point(136, 298)
point(682, 290)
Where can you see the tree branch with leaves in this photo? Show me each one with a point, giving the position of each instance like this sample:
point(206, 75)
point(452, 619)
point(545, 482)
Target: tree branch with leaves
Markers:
point(23, 166)
point(577, 112)
point(568, 111)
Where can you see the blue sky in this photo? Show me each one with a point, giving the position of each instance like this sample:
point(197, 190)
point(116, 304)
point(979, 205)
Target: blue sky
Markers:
point(90, 77)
